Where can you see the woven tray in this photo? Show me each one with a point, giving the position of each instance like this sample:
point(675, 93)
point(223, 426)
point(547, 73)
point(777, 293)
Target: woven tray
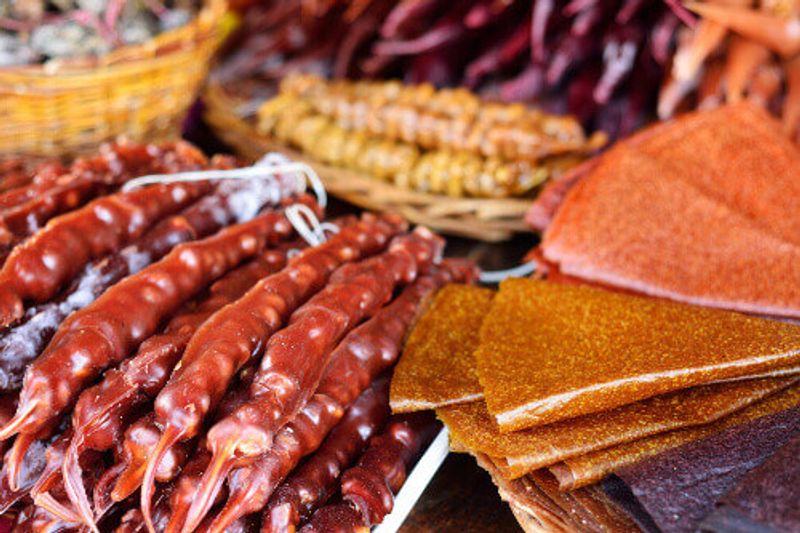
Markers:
point(142, 92)
point(482, 219)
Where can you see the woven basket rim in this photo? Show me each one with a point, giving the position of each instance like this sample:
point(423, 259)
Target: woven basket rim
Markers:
point(177, 40)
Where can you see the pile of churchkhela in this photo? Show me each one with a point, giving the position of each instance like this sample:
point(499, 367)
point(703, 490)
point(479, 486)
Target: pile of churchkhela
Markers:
point(172, 351)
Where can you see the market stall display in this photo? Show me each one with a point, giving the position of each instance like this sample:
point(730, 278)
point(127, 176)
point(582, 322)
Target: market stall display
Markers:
point(194, 343)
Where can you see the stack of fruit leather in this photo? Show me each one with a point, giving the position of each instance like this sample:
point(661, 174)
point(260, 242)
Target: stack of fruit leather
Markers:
point(553, 387)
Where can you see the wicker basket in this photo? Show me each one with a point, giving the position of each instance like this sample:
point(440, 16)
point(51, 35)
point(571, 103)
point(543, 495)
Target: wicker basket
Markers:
point(483, 219)
point(142, 92)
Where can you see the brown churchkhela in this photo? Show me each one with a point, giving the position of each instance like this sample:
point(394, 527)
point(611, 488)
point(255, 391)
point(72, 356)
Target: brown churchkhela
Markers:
point(314, 482)
point(24, 342)
point(37, 269)
point(101, 411)
point(54, 189)
point(368, 488)
point(365, 353)
point(116, 323)
point(284, 381)
point(235, 335)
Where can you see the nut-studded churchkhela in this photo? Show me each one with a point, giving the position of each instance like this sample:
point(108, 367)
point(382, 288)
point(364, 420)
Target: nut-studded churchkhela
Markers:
point(54, 191)
point(106, 331)
point(233, 201)
point(285, 381)
point(38, 268)
point(437, 171)
point(22, 184)
point(236, 334)
point(439, 119)
point(137, 448)
point(16, 173)
point(364, 354)
point(101, 411)
point(314, 482)
point(368, 488)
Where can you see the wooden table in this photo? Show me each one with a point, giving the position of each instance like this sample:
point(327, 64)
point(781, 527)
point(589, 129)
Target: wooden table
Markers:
point(460, 499)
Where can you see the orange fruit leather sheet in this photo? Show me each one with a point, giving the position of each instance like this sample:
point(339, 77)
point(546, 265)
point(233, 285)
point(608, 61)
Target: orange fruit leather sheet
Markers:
point(437, 366)
point(520, 452)
point(592, 467)
point(551, 352)
point(691, 210)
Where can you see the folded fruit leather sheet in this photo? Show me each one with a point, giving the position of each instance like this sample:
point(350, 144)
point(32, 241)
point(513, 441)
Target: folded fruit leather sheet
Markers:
point(766, 499)
point(550, 352)
point(715, 226)
point(594, 466)
point(437, 367)
point(520, 452)
point(678, 488)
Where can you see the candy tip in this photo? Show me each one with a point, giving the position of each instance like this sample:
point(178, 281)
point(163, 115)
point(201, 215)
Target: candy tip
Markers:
point(20, 418)
point(169, 438)
point(215, 474)
point(73, 483)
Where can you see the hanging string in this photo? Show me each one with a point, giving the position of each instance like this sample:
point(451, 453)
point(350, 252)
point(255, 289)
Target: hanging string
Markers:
point(269, 166)
point(307, 225)
point(496, 276)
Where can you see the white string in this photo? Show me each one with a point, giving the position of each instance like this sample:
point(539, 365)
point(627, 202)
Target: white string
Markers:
point(268, 166)
point(307, 225)
point(497, 276)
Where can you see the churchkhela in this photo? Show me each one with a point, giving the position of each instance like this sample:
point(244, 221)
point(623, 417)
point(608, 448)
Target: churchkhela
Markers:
point(101, 411)
point(284, 382)
point(365, 353)
point(213, 357)
point(231, 201)
point(313, 483)
point(54, 189)
point(117, 322)
point(443, 142)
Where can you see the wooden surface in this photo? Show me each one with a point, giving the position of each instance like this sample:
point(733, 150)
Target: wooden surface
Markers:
point(460, 499)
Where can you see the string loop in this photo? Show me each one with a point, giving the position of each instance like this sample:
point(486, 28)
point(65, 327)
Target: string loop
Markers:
point(307, 225)
point(496, 276)
point(270, 166)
